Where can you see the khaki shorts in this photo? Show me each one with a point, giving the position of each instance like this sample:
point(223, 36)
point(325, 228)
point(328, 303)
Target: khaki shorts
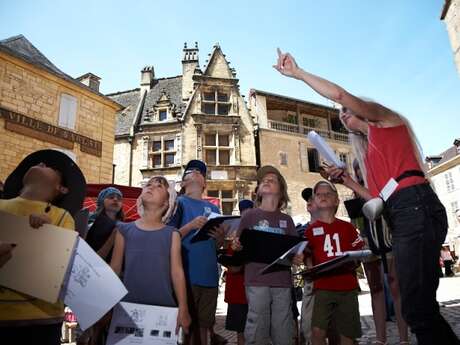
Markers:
point(343, 306)
point(202, 303)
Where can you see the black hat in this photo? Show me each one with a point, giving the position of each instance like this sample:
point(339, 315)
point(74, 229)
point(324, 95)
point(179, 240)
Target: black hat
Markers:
point(307, 193)
point(195, 164)
point(244, 204)
point(72, 178)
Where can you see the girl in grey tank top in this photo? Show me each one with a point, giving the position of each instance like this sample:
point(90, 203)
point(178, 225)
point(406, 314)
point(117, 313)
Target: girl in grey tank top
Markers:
point(151, 253)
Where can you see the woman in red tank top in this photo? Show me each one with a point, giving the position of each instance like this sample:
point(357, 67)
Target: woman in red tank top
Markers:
point(386, 148)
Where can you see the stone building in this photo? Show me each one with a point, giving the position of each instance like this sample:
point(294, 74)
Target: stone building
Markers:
point(444, 171)
point(281, 127)
point(42, 107)
point(451, 16)
point(199, 114)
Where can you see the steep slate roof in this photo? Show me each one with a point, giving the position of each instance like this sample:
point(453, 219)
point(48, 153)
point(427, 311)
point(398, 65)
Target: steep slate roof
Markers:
point(20, 47)
point(172, 87)
point(129, 99)
point(450, 153)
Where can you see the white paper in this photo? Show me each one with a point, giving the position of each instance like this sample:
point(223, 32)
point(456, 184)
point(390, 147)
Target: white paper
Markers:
point(357, 254)
point(213, 215)
point(324, 149)
point(93, 288)
point(142, 324)
point(388, 189)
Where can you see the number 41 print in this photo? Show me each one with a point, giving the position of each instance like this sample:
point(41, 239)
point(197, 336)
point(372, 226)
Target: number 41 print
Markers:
point(328, 246)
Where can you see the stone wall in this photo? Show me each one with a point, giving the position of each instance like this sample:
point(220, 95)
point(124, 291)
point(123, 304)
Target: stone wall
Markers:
point(31, 91)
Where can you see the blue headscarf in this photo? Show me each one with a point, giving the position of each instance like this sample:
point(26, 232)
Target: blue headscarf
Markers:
point(105, 193)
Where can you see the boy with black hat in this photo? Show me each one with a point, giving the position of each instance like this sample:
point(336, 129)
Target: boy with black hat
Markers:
point(199, 258)
point(48, 187)
point(335, 293)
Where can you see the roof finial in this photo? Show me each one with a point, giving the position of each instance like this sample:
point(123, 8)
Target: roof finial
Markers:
point(185, 45)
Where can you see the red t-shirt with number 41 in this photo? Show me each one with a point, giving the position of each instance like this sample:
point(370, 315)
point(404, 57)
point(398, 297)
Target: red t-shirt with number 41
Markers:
point(328, 241)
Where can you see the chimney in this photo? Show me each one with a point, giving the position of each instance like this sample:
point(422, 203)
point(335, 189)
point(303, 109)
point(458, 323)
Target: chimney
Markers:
point(189, 65)
point(91, 80)
point(147, 76)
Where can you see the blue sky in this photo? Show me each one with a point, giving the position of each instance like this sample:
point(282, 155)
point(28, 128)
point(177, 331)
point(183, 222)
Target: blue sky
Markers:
point(396, 52)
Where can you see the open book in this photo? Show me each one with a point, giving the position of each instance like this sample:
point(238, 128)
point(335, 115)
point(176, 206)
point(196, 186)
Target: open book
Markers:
point(336, 262)
point(285, 259)
point(214, 220)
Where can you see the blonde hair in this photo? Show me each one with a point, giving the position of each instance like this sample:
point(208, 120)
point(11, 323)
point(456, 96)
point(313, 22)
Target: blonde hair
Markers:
point(171, 200)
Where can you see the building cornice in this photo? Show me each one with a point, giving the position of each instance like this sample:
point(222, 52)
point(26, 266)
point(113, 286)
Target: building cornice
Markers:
point(438, 169)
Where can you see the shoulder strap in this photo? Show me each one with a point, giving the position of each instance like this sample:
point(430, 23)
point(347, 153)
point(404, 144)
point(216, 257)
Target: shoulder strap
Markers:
point(62, 217)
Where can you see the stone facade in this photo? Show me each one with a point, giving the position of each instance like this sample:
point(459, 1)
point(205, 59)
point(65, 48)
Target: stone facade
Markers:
point(282, 124)
point(451, 16)
point(36, 99)
point(197, 115)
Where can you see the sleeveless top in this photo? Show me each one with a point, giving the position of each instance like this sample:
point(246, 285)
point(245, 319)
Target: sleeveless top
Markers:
point(390, 152)
point(147, 265)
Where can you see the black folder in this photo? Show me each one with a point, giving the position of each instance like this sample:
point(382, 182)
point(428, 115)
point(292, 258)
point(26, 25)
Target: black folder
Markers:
point(203, 233)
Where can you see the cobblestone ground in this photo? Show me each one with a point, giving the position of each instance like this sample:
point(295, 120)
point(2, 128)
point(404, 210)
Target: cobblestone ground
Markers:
point(448, 296)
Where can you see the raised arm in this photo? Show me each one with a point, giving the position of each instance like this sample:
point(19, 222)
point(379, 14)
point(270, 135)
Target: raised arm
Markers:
point(371, 111)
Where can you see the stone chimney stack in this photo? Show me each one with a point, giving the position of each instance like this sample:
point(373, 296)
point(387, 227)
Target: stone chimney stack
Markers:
point(147, 76)
point(91, 80)
point(189, 64)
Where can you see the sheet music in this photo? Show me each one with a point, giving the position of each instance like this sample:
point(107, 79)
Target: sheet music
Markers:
point(142, 324)
point(92, 288)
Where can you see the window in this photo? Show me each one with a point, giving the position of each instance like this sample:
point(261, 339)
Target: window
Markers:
point(169, 159)
point(313, 160)
point(168, 145)
point(217, 149)
point(163, 153)
point(162, 115)
point(226, 198)
point(283, 158)
point(215, 103)
point(157, 146)
point(67, 111)
point(213, 193)
point(449, 181)
point(343, 158)
point(308, 122)
point(157, 161)
point(291, 118)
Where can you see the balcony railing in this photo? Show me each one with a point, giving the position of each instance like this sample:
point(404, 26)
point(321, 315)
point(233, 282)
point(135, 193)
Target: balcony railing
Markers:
point(299, 129)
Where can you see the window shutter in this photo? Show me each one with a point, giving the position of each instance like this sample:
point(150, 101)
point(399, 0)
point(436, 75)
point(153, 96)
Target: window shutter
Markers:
point(67, 111)
point(145, 152)
point(303, 151)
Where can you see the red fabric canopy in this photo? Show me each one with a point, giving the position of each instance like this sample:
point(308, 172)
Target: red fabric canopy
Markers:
point(130, 195)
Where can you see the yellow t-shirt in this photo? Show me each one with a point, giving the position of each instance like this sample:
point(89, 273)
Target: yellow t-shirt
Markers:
point(15, 306)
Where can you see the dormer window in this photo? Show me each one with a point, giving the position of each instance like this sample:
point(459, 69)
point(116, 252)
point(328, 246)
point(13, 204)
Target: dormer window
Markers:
point(216, 103)
point(162, 115)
